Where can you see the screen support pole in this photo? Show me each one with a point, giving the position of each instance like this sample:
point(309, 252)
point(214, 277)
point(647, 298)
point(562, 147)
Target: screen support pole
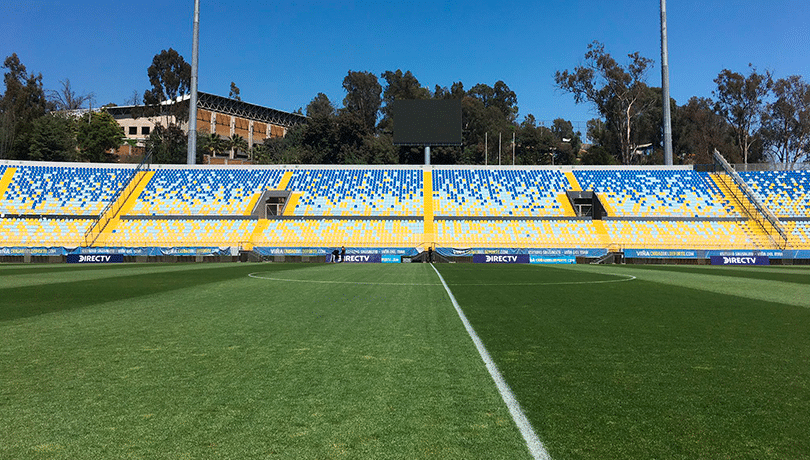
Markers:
point(427, 155)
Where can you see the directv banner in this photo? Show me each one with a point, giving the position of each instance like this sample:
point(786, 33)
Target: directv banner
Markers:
point(725, 260)
point(362, 258)
point(94, 258)
point(501, 259)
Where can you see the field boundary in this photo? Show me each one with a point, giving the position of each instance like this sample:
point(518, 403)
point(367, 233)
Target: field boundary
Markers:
point(536, 447)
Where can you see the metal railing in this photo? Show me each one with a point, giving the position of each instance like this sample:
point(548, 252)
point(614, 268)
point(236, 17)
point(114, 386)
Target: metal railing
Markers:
point(103, 217)
point(761, 211)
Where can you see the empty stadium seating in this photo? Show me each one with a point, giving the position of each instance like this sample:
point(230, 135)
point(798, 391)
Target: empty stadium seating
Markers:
point(799, 234)
point(663, 234)
point(517, 233)
point(204, 192)
point(499, 192)
point(181, 232)
point(785, 193)
point(334, 232)
point(62, 190)
point(386, 207)
point(358, 192)
point(656, 193)
point(43, 232)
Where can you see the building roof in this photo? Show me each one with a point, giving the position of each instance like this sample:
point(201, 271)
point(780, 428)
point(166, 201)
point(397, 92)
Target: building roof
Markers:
point(219, 104)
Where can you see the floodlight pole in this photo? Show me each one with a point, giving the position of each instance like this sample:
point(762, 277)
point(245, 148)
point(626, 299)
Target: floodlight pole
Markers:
point(499, 148)
point(191, 155)
point(427, 155)
point(486, 145)
point(665, 86)
point(513, 148)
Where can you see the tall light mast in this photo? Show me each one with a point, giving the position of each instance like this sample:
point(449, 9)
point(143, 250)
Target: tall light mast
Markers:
point(665, 86)
point(192, 105)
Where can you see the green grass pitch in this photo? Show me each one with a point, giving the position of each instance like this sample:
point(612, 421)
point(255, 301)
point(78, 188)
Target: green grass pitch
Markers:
point(306, 361)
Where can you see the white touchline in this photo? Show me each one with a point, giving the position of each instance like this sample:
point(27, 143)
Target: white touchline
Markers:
point(534, 444)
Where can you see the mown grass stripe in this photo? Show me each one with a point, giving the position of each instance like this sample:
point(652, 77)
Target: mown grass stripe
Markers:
point(54, 296)
point(709, 280)
point(533, 442)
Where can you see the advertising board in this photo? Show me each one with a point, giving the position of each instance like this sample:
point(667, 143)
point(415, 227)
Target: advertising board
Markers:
point(730, 260)
point(501, 258)
point(94, 258)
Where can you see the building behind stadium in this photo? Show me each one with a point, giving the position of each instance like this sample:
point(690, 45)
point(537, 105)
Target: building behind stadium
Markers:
point(215, 114)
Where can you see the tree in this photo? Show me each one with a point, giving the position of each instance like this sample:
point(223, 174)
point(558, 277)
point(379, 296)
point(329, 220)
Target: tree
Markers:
point(617, 92)
point(234, 93)
point(97, 134)
point(535, 145)
point(170, 76)
point(399, 85)
point(168, 145)
point(133, 99)
point(236, 144)
point(786, 122)
point(211, 144)
point(22, 102)
point(53, 138)
point(66, 99)
point(598, 155)
point(568, 141)
point(740, 100)
point(363, 97)
point(697, 130)
point(320, 106)
point(499, 97)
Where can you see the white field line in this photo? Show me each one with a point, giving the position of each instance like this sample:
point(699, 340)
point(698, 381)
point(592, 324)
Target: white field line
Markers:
point(534, 444)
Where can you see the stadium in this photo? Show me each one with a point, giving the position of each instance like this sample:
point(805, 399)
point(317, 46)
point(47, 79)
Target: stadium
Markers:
point(301, 213)
point(600, 327)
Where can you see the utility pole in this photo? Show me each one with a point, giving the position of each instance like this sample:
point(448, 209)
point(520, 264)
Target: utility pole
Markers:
point(665, 86)
point(191, 155)
point(499, 148)
point(486, 144)
point(513, 148)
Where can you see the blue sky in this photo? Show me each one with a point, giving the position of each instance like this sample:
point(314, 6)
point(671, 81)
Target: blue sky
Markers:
point(281, 54)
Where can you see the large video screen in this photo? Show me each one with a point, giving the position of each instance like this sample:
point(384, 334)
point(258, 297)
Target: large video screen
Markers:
point(427, 122)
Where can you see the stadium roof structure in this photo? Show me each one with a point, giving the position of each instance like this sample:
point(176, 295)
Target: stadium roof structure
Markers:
point(219, 104)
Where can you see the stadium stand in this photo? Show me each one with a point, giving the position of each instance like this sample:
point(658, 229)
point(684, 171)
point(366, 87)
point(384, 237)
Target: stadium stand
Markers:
point(657, 193)
point(44, 205)
point(61, 190)
point(674, 234)
point(518, 233)
point(43, 232)
point(339, 232)
point(499, 192)
point(181, 232)
point(358, 192)
point(785, 193)
point(203, 192)
point(799, 232)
